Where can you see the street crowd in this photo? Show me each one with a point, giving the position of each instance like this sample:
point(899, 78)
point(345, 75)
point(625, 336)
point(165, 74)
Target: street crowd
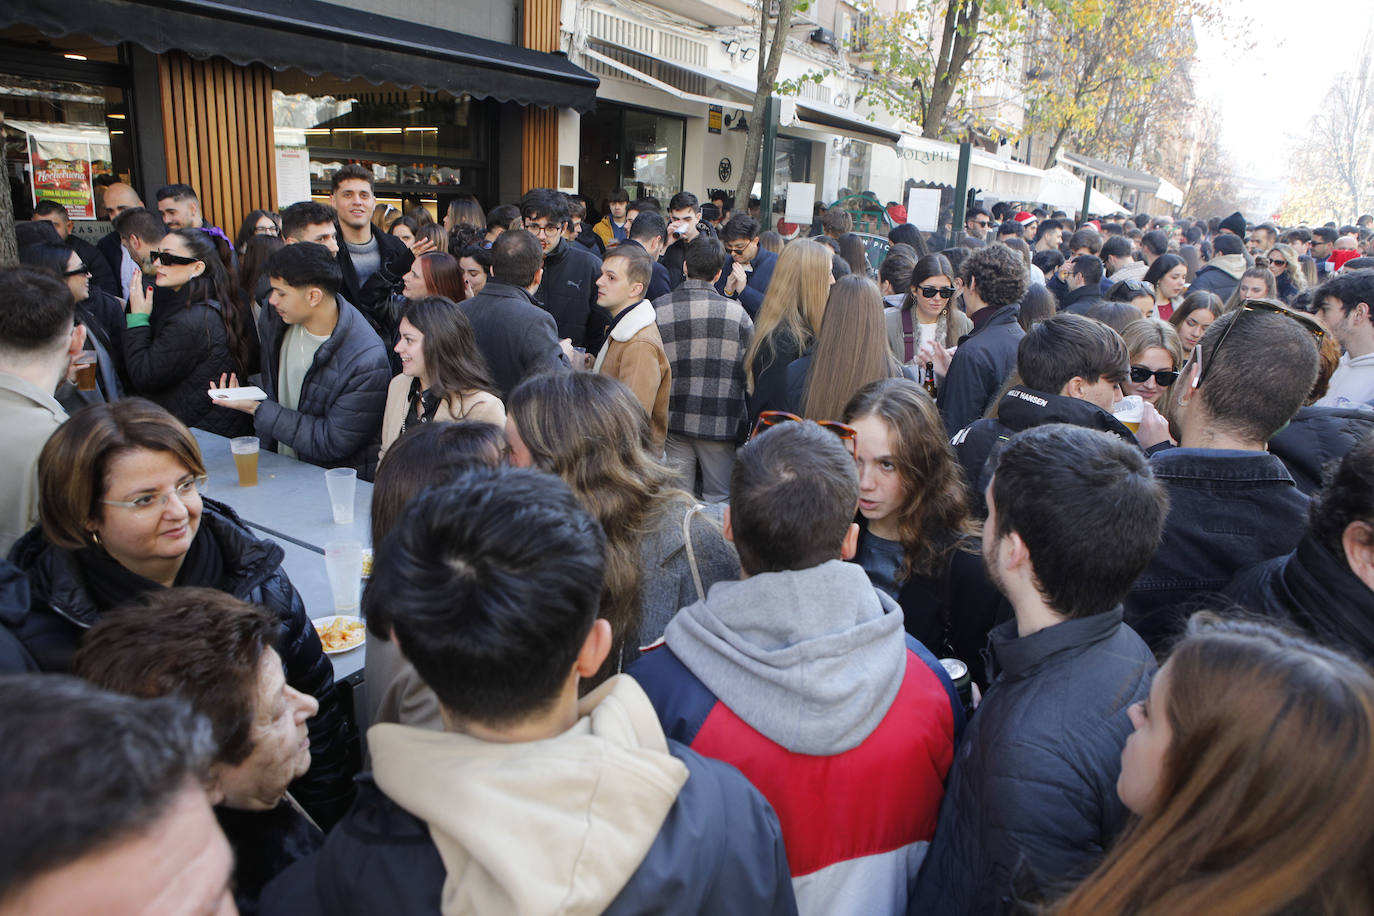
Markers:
point(1027, 570)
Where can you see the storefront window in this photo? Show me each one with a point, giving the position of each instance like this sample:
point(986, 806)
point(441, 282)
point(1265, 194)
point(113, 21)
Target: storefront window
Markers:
point(640, 151)
point(791, 162)
point(423, 148)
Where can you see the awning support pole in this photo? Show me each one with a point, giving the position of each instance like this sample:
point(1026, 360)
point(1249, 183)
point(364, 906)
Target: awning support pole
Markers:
point(1088, 183)
point(770, 138)
point(961, 190)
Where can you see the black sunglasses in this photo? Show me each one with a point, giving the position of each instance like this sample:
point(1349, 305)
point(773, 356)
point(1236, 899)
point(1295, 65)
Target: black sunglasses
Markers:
point(1261, 305)
point(1275, 262)
point(80, 269)
point(1139, 287)
point(930, 292)
point(1164, 377)
point(169, 259)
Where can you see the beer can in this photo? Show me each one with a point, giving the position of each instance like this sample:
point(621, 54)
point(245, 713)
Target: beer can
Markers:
point(963, 681)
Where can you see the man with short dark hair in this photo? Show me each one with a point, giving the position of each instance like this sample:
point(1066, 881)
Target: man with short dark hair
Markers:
point(802, 676)
point(1073, 516)
point(568, 287)
point(1071, 370)
point(976, 223)
point(750, 269)
point(179, 207)
point(38, 338)
point(105, 810)
point(649, 234)
point(1085, 240)
point(501, 219)
point(685, 225)
point(1153, 244)
point(101, 275)
point(723, 202)
point(613, 228)
point(530, 800)
point(705, 337)
point(994, 280)
point(118, 198)
point(633, 352)
point(516, 336)
point(373, 264)
point(311, 221)
point(1262, 239)
point(1233, 503)
point(1221, 275)
point(324, 369)
point(1119, 263)
point(1048, 235)
point(141, 231)
point(1320, 248)
point(1326, 585)
point(837, 222)
point(1009, 229)
point(581, 231)
point(1346, 306)
point(1084, 283)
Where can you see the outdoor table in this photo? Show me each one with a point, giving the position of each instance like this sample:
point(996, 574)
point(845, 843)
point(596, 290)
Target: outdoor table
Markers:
point(290, 506)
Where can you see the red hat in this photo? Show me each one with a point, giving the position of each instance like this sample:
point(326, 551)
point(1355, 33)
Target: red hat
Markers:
point(898, 213)
point(1023, 217)
point(1339, 257)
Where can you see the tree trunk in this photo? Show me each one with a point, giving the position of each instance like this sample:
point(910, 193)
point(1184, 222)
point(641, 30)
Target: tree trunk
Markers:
point(771, 48)
point(956, 47)
point(1054, 147)
point(9, 246)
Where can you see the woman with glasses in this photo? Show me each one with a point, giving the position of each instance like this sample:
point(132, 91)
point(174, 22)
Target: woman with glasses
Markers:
point(190, 331)
point(927, 316)
point(1156, 357)
point(1289, 279)
point(259, 222)
point(918, 541)
point(1169, 277)
point(121, 514)
point(663, 550)
point(1255, 283)
point(101, 313)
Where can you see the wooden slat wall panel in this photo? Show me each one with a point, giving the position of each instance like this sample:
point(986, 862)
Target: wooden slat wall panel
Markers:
point(217, 129)
point(539, 159)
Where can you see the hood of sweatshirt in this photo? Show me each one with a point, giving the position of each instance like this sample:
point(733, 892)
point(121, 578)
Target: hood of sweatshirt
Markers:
point(552, 826)
point(1231, 264)
point(811, 659)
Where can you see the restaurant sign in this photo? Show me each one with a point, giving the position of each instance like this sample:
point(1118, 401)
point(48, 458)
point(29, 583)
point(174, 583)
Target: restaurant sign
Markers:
point(64, 169)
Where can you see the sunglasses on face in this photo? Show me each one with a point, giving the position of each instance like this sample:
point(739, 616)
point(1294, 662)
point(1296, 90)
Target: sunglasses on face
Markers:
point(770, 418)
point(77, 271)
point(1163, 377)
point(930, 292)
point(172, 260)
point(1275, 262)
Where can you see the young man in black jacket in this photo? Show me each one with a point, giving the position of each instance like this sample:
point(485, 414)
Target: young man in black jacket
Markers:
point(374, 264)
point(994, 280)
point(568, 288)
point(1073, 516)
point(324, 369)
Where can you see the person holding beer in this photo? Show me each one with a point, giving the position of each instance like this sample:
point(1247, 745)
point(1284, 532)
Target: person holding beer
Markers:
point(122, 514)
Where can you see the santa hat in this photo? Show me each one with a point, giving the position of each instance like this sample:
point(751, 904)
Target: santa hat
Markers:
point(898, 213)
point(1024, 217)
point(1340, 256)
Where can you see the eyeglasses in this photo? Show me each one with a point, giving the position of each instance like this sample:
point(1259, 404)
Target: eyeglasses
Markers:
point(77, 271)
point(736, 250)
point(930, 292)
point(266, 230)
point(550, 229)
point(172, 260)
point(1260, 305)
point(1163, 377)
point(770, 418)
point(982, 223)
point(183, 490)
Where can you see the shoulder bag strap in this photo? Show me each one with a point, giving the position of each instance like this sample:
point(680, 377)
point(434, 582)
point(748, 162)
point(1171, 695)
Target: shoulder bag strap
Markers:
point(691, 552)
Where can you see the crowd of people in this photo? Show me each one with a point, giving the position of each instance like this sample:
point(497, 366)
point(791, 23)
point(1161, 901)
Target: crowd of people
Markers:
point(1027, 570)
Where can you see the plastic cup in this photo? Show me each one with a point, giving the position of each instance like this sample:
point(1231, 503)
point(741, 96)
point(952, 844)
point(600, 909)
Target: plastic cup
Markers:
point(341, 483)
point(579, 360)
point(1129, 412)
point(343, 561)
point(85, 363)
point(245, 452)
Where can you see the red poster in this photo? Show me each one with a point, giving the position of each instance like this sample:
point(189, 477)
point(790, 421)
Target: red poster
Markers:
point(62, 173)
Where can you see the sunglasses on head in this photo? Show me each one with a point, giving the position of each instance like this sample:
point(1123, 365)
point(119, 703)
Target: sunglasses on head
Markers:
point(1163, 377)
point(770, 418)
point(169, 259)
point(930, 292)
point(1311, 324)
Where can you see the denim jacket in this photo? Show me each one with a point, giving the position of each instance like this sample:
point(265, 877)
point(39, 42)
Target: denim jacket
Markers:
point(1227, 510)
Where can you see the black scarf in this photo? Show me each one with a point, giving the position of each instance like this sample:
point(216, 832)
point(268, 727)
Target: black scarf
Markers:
point(111, 583)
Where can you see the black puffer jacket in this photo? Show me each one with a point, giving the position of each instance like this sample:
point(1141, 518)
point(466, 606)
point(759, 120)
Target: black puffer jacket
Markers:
point(1315, 437)
point(172, 360)
point(1032, 793)
point(568, 293)
point(986, 358)
point(373, 298)
point(63, 607)
point(338, 422)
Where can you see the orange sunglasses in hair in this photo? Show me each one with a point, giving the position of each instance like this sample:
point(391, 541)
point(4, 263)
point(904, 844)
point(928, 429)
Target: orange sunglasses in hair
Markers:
point(770, 418)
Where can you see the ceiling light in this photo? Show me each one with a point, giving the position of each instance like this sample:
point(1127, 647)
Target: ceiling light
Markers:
point(70, 56)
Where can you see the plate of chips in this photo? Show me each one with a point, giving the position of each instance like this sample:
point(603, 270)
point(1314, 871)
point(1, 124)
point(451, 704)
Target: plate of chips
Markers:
point(340, 633)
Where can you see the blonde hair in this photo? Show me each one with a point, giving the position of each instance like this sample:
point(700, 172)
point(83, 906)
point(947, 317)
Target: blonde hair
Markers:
point(1148, 333)
point(795, 302)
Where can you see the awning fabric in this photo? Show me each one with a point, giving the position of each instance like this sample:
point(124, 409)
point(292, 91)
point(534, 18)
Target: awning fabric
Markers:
point(1117, 174)
point(317, 38)
point(837, 120)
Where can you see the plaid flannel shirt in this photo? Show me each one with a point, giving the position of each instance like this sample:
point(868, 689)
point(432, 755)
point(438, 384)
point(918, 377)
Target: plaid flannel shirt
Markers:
point(705, 336)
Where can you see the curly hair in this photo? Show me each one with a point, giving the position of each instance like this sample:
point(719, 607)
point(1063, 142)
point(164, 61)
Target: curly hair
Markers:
point(997, 274)
point(934, 518)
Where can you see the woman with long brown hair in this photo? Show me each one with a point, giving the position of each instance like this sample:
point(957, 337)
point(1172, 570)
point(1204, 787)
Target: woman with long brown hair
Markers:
point(662, 550)
point(1252, 771)
point(928, 314)
point(787, 323)
point(443, 374)
point(851, 351)
point(918, 541)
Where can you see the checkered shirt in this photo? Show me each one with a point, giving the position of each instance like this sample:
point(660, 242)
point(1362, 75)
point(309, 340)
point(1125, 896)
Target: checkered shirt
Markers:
point(705, 336)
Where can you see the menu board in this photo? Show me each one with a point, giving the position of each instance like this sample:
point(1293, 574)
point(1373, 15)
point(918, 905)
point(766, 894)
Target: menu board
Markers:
point(64, 170)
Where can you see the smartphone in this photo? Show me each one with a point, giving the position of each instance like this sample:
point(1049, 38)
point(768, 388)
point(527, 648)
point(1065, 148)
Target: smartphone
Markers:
point(246, 393)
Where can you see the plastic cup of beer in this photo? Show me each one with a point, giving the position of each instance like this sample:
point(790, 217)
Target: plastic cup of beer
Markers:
point(1129, 412)
point(84, 363)
point(342, 482)
point(245, 452)
point(343, 561)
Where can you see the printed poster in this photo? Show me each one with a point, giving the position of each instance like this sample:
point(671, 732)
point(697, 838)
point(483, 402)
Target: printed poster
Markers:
point(64, 171)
